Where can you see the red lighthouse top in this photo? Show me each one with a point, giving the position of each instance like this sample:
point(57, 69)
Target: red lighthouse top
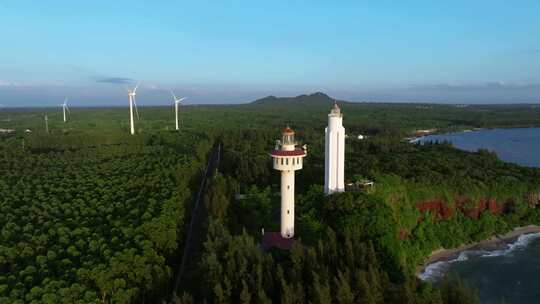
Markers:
point(287, 137)
point(288, 131)
point(286, 147)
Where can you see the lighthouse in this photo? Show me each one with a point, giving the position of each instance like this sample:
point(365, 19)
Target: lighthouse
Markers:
point(287, 158)
point(334, 152)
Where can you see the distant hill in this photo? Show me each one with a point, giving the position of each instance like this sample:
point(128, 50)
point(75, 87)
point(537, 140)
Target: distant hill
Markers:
point(312, 99)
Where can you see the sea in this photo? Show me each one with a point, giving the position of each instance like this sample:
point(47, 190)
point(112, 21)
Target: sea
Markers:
point(510, 275)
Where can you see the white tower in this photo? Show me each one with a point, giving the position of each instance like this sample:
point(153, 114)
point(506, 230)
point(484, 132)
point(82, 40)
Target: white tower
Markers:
point(46, 124)
point(64, 108)
point(176, 101)
point(131, 96)
point(287, 159)
point(334, 152)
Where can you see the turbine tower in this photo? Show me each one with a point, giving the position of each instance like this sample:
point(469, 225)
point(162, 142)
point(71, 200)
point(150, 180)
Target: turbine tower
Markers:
point(287, 159)
point(176, 104)
point(46, 124)
point(132, 103)
point(65, 108)
point(334, 152)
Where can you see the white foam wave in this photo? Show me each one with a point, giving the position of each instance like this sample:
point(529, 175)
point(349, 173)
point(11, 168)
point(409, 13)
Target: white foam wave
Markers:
point(521, 243)
point(434, 271)
point(417, 139)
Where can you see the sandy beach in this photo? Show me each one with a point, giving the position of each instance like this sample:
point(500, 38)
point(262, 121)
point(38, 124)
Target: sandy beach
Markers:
point(493, 243)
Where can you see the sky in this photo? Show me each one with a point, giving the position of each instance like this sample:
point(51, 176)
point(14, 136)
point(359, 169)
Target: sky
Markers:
point(238, 51)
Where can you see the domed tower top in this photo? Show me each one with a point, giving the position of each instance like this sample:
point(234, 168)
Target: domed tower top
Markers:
point(336, 111)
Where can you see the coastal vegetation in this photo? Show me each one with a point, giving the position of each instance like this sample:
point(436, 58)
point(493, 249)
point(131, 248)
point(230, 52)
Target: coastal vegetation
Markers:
point(425, 197)
point(91, 214)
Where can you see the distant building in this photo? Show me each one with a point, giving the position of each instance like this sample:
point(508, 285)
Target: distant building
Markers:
point(423, 132)
point(363, 185)
point(7, 131)
point(334, 152)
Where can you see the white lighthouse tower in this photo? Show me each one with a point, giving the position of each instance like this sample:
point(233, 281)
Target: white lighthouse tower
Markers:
point(334, 152)
point(287, 158)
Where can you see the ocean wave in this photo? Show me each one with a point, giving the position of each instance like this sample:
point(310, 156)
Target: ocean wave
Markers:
point(436, 270)
point(417, 139)
point(521, 243)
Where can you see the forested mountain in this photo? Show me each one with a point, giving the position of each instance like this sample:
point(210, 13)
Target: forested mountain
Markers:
point(91, 214)
point(315, 99)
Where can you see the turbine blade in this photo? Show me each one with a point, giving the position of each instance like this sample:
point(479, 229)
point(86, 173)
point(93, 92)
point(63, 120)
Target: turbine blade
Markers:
point(174, 96)
point(135, 89)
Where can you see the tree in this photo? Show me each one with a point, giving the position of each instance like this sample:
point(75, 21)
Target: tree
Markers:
point(245, 295)
point(344, 294)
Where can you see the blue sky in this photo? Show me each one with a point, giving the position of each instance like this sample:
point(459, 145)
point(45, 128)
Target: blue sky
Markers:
point(237, 51)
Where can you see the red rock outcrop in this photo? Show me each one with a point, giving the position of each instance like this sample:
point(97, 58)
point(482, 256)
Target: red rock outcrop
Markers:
point(464, 204)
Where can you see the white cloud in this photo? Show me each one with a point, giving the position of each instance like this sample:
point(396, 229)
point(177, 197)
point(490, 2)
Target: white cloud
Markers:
point(4, 83)
point(152, 87)
point(498, 85)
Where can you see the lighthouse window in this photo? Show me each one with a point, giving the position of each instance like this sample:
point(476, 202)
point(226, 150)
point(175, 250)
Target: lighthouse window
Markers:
point(288, 187)
point(293, 161)
point(282, 161)
point(286, 161)
point(288, 212)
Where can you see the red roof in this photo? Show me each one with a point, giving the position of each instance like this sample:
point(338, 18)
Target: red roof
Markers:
point(274, 239)
point(288, 130)
point(296, 152)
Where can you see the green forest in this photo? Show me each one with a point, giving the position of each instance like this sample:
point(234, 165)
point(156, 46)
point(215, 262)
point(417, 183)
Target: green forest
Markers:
point(91, 214)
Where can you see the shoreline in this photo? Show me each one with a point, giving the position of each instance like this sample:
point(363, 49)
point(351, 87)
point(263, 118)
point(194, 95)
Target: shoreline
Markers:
point(493, 243)
point(414, 139)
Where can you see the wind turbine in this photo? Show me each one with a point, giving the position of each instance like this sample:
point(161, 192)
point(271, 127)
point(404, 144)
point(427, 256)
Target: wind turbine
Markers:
point(131, 96)
point(176, 103)
point(64, 108)
point(46, 124)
